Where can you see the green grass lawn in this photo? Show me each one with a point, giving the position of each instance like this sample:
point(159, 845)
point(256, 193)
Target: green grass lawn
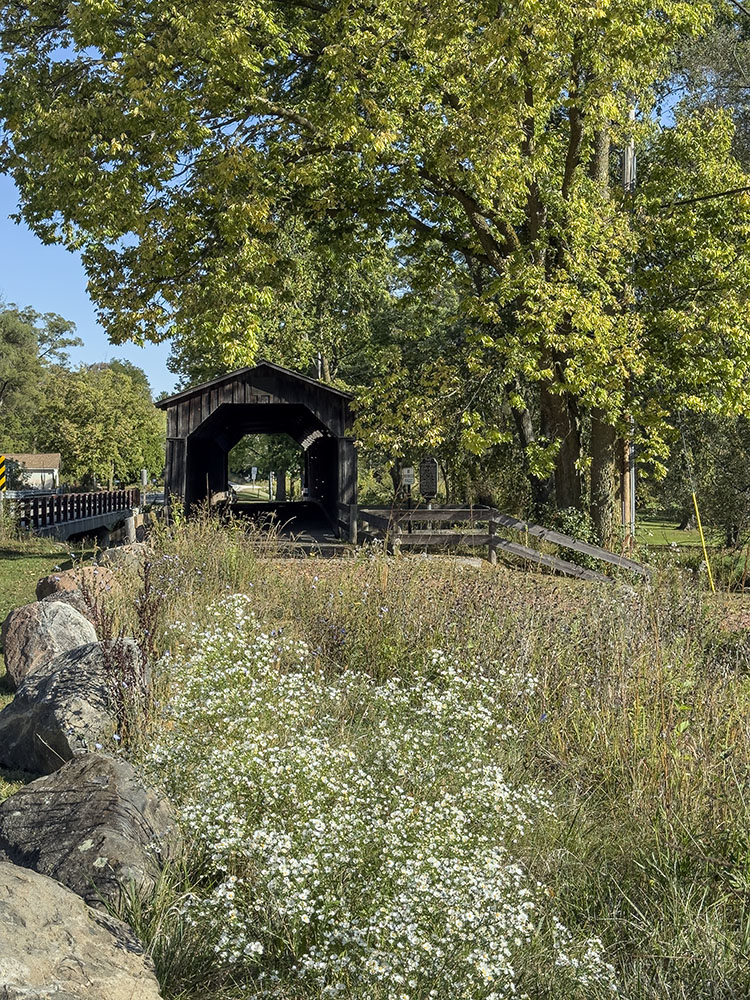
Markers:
point(22, 563)
point(657, 531)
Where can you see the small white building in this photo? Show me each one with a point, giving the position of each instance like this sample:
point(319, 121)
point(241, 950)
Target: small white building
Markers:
point(40, 472)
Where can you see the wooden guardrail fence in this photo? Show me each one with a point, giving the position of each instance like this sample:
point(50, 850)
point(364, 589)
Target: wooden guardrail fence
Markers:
point(421, 532)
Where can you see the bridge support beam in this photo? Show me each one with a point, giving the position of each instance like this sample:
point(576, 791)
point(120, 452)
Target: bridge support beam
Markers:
point(89, 525)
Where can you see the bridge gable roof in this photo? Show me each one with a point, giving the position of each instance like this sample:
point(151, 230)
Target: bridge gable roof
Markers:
point(242, 373)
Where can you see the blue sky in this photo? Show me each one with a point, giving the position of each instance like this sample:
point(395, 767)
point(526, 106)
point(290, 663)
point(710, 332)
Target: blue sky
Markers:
point(50, 279)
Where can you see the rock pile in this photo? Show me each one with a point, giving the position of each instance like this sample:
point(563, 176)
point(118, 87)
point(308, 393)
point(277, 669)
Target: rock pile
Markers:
point(93, 825)
point(93, 579)
point(70, 842)
point(52, 945)
point(61, 709)
point(37, 633)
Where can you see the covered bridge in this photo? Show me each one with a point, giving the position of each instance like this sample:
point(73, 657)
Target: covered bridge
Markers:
point(206, 421)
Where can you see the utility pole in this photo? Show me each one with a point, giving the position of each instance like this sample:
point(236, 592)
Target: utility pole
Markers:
point(629, 177)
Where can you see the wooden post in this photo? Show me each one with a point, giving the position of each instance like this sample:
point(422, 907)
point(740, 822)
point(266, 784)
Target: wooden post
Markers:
point(625, 494)
point(353, 515)
point(491, 546)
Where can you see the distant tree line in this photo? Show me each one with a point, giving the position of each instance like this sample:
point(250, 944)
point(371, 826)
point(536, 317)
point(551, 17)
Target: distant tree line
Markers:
point(100, 418)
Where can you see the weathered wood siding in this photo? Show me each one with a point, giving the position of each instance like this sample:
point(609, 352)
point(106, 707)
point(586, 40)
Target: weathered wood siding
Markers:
point(205, 422)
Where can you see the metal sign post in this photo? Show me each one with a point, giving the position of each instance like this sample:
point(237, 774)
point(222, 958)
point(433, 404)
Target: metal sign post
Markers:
point(408, 479)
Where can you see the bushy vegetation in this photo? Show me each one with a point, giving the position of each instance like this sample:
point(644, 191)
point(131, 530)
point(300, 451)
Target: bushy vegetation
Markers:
point(99, 417)
point(416, 778)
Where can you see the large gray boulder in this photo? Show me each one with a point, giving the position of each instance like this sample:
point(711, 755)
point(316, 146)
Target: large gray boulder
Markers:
point(125, 557)
point(36, 633)
point(75, 599)
point(54, 947)
point(93, 825)
point(63, 707)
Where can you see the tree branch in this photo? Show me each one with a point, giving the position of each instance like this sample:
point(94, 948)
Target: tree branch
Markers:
point(454, 241)
point(667, 206)
point(495, 252)
point(575, 118)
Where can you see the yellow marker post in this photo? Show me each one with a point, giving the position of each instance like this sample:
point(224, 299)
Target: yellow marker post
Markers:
point(703, 543)
point(3, 475)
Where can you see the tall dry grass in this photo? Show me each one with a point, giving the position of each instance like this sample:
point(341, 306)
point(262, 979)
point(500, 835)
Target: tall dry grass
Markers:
point(638, 724)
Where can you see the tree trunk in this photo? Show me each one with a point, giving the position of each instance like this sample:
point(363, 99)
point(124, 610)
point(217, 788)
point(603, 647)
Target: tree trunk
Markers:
point(398, 488)
point(281, 485)
point(599, 164)
point(605, 480)
point(541, 489)
point(606, 449)
point(560, 422)
point(446, 480)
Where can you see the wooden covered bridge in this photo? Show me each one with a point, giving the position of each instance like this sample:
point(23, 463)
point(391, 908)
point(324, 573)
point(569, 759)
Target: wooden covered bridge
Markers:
point(206, 421)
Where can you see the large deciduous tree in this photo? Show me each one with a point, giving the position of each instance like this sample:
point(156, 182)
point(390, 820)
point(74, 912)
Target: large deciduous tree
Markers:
point(179, 147)
point(103, 422)
point(32, 344)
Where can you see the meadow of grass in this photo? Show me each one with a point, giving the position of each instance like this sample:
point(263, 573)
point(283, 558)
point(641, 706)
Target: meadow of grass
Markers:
point(413, 778)
point(416, 778)
point(659, 531)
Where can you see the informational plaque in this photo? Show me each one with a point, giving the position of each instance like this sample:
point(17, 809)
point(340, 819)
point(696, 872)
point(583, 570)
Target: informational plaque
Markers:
point(428, 478)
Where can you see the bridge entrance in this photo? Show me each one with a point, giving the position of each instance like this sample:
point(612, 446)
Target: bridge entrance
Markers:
point(267, 467)
point(205, 423)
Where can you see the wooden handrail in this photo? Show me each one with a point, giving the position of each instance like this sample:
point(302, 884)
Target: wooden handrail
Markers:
point(390, 520)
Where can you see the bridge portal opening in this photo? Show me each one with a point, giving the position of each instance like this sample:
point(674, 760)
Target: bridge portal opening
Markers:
point(205, 425)
point(267, 467)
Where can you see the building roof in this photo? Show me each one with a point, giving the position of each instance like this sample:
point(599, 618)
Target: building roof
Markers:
point(43, 460)
point(194, 390)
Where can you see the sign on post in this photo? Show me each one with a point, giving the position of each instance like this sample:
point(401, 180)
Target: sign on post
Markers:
point(254, 473)
point(3, 475)
point(428, 478)
point(407, 476)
